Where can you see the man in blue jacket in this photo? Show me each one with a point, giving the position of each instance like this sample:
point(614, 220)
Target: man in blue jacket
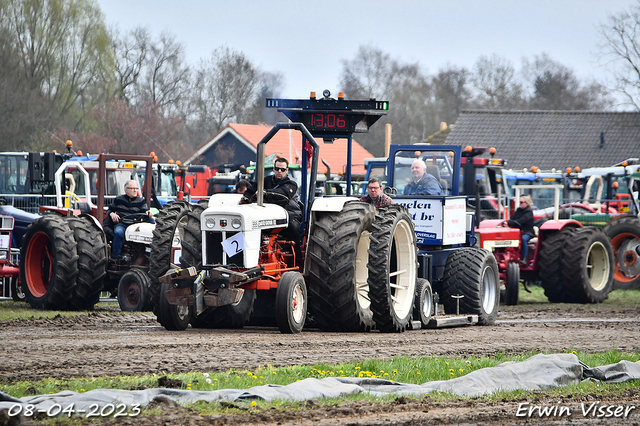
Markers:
point(423, 183)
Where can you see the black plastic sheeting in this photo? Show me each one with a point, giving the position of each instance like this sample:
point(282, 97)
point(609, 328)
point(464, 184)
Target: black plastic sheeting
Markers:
point(539, 372)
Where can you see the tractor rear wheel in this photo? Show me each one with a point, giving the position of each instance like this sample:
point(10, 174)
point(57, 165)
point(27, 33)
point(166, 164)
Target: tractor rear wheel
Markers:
point(472, 273)
point(133, 291)
point(91, 246)
point(423, 309)
point(291, 302)
point(512, 284)
point(588, 265)
point(393, 265)
point(337, 256)
point(48, 263)
point(170, 222)
point(625, 238)
point(550, 266)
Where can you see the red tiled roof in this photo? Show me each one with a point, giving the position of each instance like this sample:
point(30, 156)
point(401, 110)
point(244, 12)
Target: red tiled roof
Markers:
point(335, 154)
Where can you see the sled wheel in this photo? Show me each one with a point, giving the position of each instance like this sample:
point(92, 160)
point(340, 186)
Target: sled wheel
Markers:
point(473, 274)
point(337, 257)
point(588, 265)
point(133, 291)
point(625, 238)
point(513, 284)
point(423, 309)
point(291, 302)
point(48, 263)
point(393, 265)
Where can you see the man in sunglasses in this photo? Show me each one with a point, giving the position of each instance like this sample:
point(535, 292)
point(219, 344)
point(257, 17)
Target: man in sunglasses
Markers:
point(280, 183)
point(374, 194)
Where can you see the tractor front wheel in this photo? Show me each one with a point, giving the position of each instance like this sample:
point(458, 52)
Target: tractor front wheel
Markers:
point(423, 309)
point(133, 291)
point(172, 317)
point(513, 284)
point(291, 302)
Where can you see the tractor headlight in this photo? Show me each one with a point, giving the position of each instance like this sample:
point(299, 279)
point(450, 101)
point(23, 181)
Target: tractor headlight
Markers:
point(236, 223)
point(210, 222)
point(4, 255)
point(176, 241)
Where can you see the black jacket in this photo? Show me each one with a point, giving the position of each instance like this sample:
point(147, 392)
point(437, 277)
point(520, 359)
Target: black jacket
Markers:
point(123, 206)
point(285, 186)
point(523, 219)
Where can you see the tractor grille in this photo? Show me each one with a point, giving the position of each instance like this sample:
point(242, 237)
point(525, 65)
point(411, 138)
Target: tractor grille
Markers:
point(215, 253)
point(6, 223)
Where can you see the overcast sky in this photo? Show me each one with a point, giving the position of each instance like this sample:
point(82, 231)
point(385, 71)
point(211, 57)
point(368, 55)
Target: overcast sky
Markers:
point(306, 41)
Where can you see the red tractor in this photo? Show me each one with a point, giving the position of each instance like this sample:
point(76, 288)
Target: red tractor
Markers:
point(573, 263)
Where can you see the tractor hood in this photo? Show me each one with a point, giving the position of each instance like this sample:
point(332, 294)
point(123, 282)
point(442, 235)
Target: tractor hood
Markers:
point(140, 233)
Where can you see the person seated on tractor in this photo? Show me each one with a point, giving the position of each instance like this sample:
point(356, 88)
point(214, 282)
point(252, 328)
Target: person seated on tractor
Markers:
point(375, 195)
point(423, 183)
point(285, 195)
point(242, 186)
point(125, 210)
point(523, 219)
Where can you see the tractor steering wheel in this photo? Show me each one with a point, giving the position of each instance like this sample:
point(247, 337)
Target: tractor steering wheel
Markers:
point(271, 197)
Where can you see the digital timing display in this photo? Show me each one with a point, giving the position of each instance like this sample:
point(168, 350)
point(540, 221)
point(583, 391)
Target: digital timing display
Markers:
point(326, 122)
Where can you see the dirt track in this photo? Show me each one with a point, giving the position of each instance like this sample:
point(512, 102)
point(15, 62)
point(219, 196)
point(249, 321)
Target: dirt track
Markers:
point(111, 343)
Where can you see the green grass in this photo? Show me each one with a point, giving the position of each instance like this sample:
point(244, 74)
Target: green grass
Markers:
point(400, 369)
point(11, 311)
point(618, 300)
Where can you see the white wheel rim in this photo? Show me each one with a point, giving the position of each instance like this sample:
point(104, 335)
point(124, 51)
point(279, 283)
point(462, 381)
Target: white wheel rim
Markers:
point(598, 266)
point(297, 304)
point(362, 272)
point(488, 289)
point(427, 306)
point(402, 281)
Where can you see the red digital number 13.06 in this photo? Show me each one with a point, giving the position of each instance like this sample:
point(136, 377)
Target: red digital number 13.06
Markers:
point(329, 121)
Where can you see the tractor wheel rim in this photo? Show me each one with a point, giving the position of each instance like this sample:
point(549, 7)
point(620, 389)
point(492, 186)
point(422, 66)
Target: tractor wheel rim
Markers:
point(627, 265)
point(598, 266)
point(39, 261)
point(488, 289)
point(297, 304)
point(362, 273)
point(131, 294)
point(403, 285)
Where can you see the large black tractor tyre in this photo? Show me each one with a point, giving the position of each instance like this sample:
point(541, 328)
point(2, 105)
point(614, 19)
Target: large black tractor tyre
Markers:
point(512, 292)
point(171, 218)
point(291, 303)
point(588, 265)
point(170, 316)
point(625, 238)
point(393, 265)
point(423, 308)
point(472, 273)
point(133, 291)
point(337, 257)
point(550, 266)
point(91, 247)
point(48, 263)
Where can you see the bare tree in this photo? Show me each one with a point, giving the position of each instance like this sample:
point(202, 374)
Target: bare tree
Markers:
point(224, 90)
point(368, 74)
point(130, 57)
point(63, 46)
point(555, 87)
point(451, 92)
point(620, 51)
point(495, 79)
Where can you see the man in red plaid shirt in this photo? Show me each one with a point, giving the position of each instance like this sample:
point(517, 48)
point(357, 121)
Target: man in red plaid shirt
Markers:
point(375, 195)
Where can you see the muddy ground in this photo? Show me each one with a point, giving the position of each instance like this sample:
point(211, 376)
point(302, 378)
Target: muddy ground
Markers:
point(111, 343)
